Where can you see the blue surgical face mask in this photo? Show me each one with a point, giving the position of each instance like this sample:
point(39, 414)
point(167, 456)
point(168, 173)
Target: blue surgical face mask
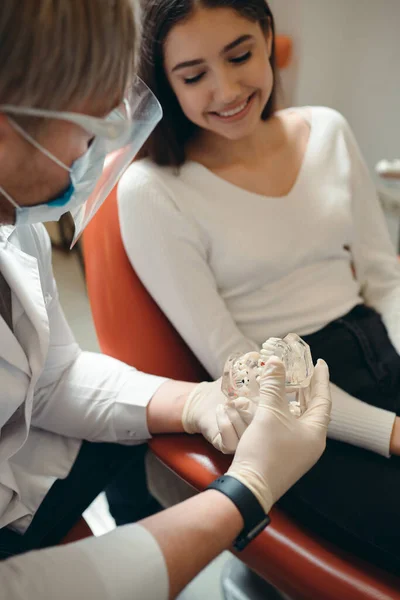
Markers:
point(117, 139)
point(63, 198)
point(84, 174)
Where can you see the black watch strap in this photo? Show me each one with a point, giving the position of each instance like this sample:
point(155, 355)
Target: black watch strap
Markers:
point(254, 517)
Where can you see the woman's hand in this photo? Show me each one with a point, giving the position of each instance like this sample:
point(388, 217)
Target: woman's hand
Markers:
point(395, 439)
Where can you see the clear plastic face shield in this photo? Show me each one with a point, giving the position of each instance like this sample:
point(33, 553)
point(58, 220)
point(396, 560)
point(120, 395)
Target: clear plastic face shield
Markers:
point(117, 139)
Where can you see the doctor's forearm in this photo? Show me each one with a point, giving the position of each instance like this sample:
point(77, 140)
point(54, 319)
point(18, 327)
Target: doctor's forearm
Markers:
point(164, 411)
point(153, 559)
point(193, 533)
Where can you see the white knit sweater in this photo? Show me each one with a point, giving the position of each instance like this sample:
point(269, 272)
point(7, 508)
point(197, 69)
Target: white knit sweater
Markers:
point(231, 268)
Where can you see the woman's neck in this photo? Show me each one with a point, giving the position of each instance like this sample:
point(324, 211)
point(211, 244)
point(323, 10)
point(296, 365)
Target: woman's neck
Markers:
point(216, 152)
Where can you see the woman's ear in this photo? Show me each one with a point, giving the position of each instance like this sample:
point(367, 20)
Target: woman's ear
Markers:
point(269, 38)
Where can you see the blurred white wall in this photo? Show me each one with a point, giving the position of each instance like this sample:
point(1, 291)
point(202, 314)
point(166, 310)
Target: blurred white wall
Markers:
point(347, 56)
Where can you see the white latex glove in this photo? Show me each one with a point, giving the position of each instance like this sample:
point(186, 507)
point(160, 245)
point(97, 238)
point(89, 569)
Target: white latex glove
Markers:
point(269, 347)
point(277, 448)
point(207, 411)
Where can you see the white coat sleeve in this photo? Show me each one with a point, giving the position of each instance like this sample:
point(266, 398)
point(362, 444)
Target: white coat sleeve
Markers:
point(168, 253)
point(126, 564)
point(170, 257)
point(83, 394)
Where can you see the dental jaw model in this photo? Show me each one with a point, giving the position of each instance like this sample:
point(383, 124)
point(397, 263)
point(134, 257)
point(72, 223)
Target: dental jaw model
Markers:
point(243, 372)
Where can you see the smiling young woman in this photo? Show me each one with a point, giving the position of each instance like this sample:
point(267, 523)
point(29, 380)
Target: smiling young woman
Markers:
point(246, 223)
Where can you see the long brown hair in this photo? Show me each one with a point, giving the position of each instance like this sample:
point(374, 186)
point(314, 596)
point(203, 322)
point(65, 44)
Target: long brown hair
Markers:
point(167, 143)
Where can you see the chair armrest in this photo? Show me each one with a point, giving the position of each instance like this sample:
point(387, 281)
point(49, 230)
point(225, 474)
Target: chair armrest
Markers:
point(79, 531)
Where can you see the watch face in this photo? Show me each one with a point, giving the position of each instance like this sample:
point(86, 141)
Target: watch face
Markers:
point(245, 538)
point(258, 528)
point(254, 517)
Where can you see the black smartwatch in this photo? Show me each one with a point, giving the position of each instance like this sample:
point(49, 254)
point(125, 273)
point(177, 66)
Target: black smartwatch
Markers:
point(254, 517)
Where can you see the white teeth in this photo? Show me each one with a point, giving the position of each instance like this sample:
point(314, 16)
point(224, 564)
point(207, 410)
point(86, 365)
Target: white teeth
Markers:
point(231, 113)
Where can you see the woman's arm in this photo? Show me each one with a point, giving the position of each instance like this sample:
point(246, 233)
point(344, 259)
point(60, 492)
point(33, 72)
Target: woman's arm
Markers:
point(376, 264)
point(169, 255)
point(361, 424)
point(377, 269)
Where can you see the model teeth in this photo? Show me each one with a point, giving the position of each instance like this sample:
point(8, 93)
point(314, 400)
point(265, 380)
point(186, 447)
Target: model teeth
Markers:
point(231, 113)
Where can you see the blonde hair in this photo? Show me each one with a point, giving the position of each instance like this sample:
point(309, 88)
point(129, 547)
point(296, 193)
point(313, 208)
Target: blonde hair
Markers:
point(61, 54)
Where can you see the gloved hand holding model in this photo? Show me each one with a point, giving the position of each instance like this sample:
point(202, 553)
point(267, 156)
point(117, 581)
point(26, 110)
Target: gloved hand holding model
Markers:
point(207, 411)
point(276, 432)
point(222, 410)
point(274, 452)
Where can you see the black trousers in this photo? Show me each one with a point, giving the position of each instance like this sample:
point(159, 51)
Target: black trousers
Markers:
point(121, 468)
point(352, 496)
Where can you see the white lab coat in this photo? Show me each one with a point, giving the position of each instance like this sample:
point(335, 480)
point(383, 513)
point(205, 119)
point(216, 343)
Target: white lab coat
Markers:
point(126, 564)
point(53, 395)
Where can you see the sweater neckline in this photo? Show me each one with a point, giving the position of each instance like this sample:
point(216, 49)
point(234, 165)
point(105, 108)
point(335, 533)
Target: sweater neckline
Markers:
point(311, 120)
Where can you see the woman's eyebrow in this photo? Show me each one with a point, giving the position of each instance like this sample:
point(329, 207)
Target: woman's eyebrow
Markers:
point(237, 42)
point(200, 61)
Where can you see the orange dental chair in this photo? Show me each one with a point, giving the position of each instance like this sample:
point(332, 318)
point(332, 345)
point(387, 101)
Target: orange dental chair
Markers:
point(131, 327)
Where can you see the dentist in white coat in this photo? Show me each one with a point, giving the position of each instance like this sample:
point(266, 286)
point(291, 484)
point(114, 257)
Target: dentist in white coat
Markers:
point(72, 117)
